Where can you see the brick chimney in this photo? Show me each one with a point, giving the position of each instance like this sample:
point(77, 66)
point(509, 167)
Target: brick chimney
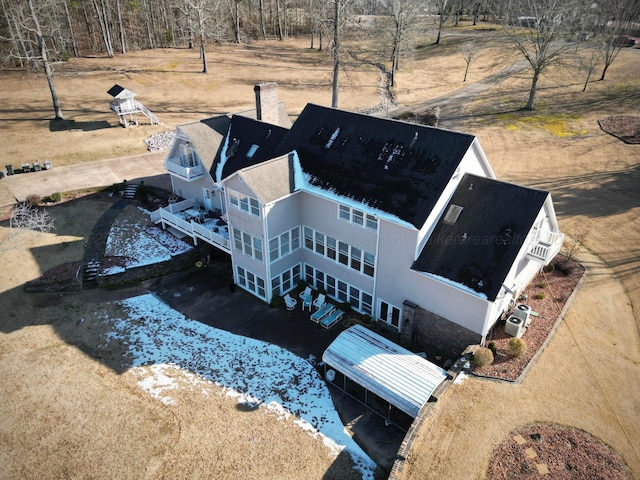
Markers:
point(267, 102)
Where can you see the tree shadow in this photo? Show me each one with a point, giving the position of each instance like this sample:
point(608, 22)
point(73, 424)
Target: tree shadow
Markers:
point(594, 195)
point(72, 125)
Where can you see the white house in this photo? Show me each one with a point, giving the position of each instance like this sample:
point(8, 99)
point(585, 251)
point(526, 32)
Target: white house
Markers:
point(407, 223)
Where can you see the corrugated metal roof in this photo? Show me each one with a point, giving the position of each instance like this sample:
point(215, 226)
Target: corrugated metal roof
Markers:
point(400, 377)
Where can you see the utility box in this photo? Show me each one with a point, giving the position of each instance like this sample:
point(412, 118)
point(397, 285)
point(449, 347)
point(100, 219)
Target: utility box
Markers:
point(514, 326)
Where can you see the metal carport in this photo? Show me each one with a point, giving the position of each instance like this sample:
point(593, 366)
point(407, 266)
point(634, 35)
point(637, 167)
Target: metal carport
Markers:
point(401, 378)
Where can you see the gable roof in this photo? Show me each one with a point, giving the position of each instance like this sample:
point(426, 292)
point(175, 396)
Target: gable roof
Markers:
point(393, 166)
point(476, 245)
point(120, 92)
point(271, 180)
point(249, 142)
point(207, 136)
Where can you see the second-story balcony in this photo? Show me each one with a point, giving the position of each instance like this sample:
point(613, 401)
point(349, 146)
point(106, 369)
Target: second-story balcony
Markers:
point(545, 247)
point(187, 217)
point(182, 168)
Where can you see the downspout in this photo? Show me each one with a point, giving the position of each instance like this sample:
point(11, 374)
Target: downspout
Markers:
point(266, 253)
point(374, 300)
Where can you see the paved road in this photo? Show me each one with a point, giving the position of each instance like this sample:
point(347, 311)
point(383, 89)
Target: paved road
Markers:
point(453, 105)
point(147, 166)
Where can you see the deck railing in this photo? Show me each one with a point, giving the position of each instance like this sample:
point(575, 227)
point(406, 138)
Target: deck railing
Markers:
point(168, 217)
point(546, 246)
point(175, 167)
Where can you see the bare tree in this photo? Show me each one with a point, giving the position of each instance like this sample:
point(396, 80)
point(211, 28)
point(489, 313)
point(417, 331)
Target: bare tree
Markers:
point(468, 50)
point(404, 17)
point(619, 18)
point(442, 6)
point(541, 37)
point(44, 57)
point(25, 218)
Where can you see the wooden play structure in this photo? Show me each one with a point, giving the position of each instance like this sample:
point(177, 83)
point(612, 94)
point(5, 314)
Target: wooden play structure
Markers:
point(127, 107)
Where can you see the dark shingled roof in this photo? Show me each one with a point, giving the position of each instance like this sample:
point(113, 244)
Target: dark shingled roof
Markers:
point(245, 132)
point(393, 166)
point(478, 248)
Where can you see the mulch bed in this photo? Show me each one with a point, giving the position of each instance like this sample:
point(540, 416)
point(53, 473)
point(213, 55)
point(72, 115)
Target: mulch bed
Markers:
point(542, 450)
point(626, 128)
point(546, 295)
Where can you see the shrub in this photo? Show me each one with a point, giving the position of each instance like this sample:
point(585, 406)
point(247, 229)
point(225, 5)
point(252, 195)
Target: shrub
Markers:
point(483, 356)
point(493, 348)
point(549, 268)
point(539, 296)
point(517, 347)
point(34, 200)
point(53, 198)
point(276, 301)
point(541, 285)
point(302, 284)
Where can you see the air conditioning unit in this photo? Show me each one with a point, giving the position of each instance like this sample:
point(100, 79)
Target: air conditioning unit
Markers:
point(514, 326)
point(523, 312)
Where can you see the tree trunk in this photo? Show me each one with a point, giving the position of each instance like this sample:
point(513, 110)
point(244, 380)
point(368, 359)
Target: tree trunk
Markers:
point(466, 70)
point(532, 92)
point(336, 55)
point(279, 34)
point(74, 44)
point(440, 25)
point(263, 31)
point(45, 61)
point(123, 46)
point(604, 71)
point(203, 54)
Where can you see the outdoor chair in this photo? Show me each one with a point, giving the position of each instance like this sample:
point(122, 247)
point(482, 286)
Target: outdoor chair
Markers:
point(323, 312)
point(331, 319)
point(305, 293)
point(320, 301)
point(290, 302)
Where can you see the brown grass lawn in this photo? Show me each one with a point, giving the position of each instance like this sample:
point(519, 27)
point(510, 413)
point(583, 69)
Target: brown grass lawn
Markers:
point(63, 413)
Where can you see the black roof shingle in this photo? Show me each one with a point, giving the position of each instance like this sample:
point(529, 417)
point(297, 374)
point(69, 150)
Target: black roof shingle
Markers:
point(393, 166)
point(477, 245)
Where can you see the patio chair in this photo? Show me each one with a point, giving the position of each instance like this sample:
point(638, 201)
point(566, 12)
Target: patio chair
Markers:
point(323, 312)
point(331, 319)
point(306, 292)
point(290, 302)
point(320, 301)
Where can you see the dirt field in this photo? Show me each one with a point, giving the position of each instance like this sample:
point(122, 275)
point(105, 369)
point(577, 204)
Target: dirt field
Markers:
point(64, 413)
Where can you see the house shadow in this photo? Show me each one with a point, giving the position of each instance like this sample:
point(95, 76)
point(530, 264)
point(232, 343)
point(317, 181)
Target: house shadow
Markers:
point(73, 126)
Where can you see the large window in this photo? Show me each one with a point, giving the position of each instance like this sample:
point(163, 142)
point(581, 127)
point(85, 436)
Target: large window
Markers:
point(247, 244)
point(284, 244)
point(357, 217)
point(286, 281)
point(251, 282)
point(337, 289)
point(244, 202)
point(340, 252)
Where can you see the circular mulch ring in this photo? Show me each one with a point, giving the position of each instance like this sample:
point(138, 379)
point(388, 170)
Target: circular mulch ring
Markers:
point(543, 450)
point(626, 128)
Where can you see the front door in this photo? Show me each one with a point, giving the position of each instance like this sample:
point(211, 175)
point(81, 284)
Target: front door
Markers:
point(389, 314)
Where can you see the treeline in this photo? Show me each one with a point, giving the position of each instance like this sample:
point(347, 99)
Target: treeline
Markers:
point(73, 28)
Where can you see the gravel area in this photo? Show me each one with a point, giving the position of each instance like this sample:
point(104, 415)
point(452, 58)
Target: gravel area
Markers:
point(554, 451)
point(546, 295)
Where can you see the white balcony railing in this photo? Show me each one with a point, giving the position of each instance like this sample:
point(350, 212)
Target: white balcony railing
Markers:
point(188, 173)
point(546, 246)
point(182, 217)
